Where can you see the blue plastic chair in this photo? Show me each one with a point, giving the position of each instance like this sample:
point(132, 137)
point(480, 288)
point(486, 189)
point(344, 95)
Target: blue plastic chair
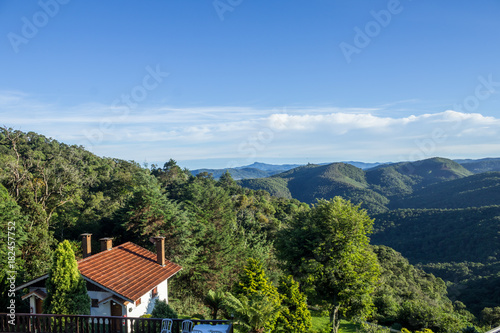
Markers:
point(166, 326)
point(187, 326)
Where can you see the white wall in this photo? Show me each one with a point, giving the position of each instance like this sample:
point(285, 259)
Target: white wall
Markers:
point(103, 309)
point(32, 304)
point(163, 291)
point(148, 302)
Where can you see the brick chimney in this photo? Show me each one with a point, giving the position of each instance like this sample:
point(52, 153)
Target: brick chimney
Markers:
point(160, 250)
point(106, 243)
point(86, 247)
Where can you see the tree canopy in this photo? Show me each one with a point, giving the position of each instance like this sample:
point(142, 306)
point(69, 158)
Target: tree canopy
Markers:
point(328, 250)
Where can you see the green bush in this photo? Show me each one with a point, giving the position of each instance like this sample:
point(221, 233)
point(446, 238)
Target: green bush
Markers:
point(163, 310)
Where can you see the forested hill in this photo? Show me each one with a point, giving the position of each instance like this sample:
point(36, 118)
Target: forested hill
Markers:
point(436, 212)
point(241, 173)
point(310, 182)
point(481, 165)
point(474, 191)
point(62, 191)
point(462, 246)
point(53, 191)
point(254, 170)
point(375, 188)
point(262, 170)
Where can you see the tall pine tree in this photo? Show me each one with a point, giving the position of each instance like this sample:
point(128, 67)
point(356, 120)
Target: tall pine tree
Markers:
point(295, 317)
point(254, 284)
point(66, 289)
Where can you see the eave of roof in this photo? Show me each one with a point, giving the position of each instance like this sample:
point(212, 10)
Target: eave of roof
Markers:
point(27, 284)
point(115, 299)
point(106, 289)
point(38, 293)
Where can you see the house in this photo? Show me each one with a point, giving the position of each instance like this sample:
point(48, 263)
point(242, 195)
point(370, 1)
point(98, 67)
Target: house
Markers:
point(125, 280)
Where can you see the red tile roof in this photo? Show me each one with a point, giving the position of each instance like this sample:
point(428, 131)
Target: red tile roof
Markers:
point(128, 270)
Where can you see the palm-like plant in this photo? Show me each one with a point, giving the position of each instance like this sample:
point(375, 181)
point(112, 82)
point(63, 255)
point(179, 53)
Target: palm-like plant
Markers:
point(251, 313)
point(214, 300)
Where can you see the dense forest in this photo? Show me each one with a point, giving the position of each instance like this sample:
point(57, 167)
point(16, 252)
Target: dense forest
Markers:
point(459, 245)
point(442, 215)
point(213, 227)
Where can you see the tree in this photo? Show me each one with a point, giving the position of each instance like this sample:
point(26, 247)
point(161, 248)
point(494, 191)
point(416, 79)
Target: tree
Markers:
point(414, 298)
point(149, 212)
point(252, 313)
point(43, 177)
point(491, 316)
point(328, 250)
point(295, 317)
point(226, 180)
point(170, 175)
point(221, 247)
point(66, 289)
point(214, 300)
point(469, 329)
point(253, 283)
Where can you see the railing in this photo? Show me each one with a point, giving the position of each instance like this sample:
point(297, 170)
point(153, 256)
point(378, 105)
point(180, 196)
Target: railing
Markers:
point(50, 323)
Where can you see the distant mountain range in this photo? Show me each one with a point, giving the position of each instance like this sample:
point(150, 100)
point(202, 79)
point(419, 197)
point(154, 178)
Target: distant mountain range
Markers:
point(262, 170)
point(389, 186)
point(269, 167)
point(373, 187)
point(255, 170)
point(481, 165)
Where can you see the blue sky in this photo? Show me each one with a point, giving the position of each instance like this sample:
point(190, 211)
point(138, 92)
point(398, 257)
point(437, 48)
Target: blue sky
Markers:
point(229, 82)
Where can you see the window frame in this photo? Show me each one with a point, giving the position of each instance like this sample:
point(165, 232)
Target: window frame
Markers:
point(94, 302)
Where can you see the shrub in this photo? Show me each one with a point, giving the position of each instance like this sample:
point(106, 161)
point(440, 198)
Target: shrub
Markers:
point(163, 310)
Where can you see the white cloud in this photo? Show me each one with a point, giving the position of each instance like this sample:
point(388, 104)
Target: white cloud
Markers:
point(339, 121)
point(349, 121)
point(247, 134)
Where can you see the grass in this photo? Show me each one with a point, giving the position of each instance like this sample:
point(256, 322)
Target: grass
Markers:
point(319, 322)
point(349, 327)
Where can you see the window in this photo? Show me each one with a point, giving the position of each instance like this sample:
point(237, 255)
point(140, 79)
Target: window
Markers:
point(95, 303)
point(154, 292)
point(138, 302)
